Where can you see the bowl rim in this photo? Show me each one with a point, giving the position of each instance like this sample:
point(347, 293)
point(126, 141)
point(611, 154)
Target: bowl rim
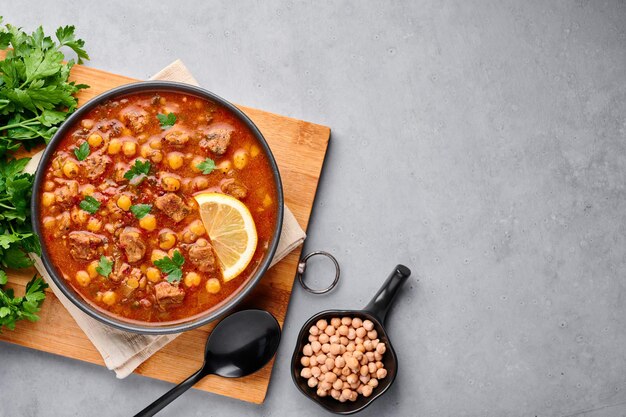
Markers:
point(198, 319)
point(295, 363)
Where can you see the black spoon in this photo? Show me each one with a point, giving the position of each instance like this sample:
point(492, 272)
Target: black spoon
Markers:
point(239, 345)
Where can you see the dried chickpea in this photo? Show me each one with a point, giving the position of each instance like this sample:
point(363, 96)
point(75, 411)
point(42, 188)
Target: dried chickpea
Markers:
point(314, 330)
point(305, 361)
point(326, 347)
point(124, 202)
point(94, 140)
point(381, 373)
point(368, 325)
point(306, 373)
point(373, 382)
point(330, 330)
point(148, 222)
point(312, 382)
point(322, 392)
point(367, 390)
point(316, 346)
point(357, 322)
point(372, 334)
point(192, 279)
point(343, 330)
point(335, 322)
point(213, 286)
point(323, 338)
point(83, 278)
point(307, 350)
point(70, 169)
point(361, 332)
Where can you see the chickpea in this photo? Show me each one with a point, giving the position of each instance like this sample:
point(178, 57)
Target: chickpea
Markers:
point(88, 189)
point(200, 183)
point(49, 185)
point(240, 159)
point(148, 222)
point(83, 278)
point(322, 324)
point(312, 382)
point(316, 346)
point(343, 330)
point(87, 123)
point(94, 140)
point(91, 269)
point(175, 160)
point(79, 216)
point(304, 361)
point(195, 162)
point(109, 298)
point(213, 286)
point(368, 325)
point(129, 148)
point(224, 166)
point(94, 225)
point(197, 227)
point(115, 146)
point(170, 183)
point(124, 202)
point(330, 330)
point(306, 373)
point(157, 254)
point(357, 322)
point(153, 274)
point(47, 199)
point(254, 150)
point(267, 200)
point(192, 279)
point(307, 350)
point(352, 379)
point(314, 330)
point(49, 222)
point(381, 348)
point(361, 332)
point(156, 144)
point(373, 382)
point(70, 169)
point(372, 334)
point(351, 334)
point(132, 283)
point(323, 338)
point(313, 338)
point(167, 239)
point(346, 321)
point(367, 390)
point(322, 392)
point(325, 347)
point(381, 373)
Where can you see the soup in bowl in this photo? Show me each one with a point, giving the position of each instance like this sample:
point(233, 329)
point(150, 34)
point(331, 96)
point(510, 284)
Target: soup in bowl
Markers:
point(158, 206)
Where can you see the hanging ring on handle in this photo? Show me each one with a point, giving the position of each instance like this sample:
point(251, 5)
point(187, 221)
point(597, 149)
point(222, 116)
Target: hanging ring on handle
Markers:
point(302, 268)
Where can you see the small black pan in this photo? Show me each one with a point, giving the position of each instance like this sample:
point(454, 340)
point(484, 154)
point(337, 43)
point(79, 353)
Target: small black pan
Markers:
point(376, 311)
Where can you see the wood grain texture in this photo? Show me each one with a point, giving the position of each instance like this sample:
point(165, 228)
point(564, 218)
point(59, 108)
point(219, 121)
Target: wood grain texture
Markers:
point(299, 148)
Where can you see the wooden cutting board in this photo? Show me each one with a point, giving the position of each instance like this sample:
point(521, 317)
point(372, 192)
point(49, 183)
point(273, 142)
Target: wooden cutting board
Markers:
point(299, 148)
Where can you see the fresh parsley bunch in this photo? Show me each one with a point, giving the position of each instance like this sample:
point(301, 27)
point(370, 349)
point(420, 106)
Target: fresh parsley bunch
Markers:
point(36, 96)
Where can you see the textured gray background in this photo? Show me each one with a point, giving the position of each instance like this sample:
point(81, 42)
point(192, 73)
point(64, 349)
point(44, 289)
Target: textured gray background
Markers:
point(481, 143)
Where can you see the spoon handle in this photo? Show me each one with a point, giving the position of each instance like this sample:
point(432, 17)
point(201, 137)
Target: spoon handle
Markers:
point(172, 394)
point(379, 306)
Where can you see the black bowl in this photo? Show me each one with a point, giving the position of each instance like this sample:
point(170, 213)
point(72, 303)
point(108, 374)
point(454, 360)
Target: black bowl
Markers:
point(376, 311)
point(146, 327)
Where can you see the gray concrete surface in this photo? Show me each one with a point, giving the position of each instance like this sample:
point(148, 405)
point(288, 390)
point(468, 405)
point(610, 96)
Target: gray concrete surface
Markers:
point(481, 143)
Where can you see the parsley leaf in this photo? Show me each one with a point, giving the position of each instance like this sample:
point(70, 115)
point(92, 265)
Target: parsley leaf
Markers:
point(14, 308)
point(105, 266)
point(138, 172)
point(166, 121)
point(172, 267)
point(207, 166)
point(82, 151)
point(90, 204)
point(140, 210)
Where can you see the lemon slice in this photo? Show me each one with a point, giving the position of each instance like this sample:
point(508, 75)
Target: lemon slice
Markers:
point(231, 228)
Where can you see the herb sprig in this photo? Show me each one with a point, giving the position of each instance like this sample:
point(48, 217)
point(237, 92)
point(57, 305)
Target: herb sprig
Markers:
point(140, 210)
point(172, 267)
point(207, 166)
point(167, 120)
point(138, 172)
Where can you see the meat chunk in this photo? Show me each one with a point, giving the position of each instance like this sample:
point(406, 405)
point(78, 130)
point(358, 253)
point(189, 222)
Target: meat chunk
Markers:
point(173, 206)
point(85, 245)
point(120, 269)
point(217, 138)
point(176, 137)
point(167, 293)
point(201, 255)
point(135, 117)
point(133, 244)
point(235, 188)
point(95, 165)
point(66, 194)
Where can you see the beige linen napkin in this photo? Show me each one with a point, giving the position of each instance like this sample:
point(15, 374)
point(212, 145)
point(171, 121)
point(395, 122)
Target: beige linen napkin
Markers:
point(123, 351)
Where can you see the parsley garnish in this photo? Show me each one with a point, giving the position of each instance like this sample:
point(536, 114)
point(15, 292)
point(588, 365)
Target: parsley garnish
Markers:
point(140, 210)
point(82, 151)
point(105, 266)
point(166, 121)
point(90, 204)
point(14, 308)
point(138, 172)
point(172, 267)
point(207, 166)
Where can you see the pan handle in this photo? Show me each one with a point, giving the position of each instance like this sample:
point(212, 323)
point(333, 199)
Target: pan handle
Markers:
point(379, 306)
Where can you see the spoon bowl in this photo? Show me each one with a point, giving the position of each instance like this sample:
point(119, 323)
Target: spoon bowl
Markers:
point(239, 345)
point(376, 311)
